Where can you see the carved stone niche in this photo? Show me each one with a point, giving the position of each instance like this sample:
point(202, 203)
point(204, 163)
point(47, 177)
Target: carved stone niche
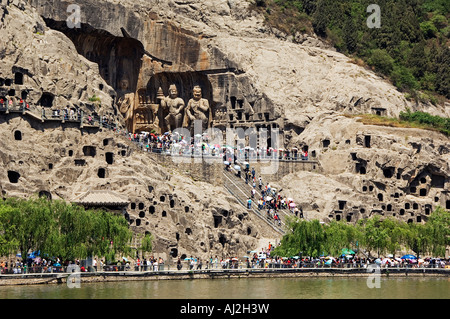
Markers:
point(145, 117)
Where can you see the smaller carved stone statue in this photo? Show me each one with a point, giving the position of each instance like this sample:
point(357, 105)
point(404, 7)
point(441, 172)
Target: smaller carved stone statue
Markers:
point(126, 107)
point(126, 104)
point(197, 109)
point(174, 105)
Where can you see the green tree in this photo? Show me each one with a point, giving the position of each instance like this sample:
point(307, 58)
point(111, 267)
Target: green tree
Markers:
point(29, 222)
point(340, 235)
point(428, 29)
point(403, 78)
point(307, 237)
point(381, 60)
point(438, 231)
point(60, 229)
point(375, 236)
point(146, 244)
point(417, 238)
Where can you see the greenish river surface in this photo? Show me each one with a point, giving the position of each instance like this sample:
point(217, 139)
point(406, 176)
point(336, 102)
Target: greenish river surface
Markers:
point(254, 288)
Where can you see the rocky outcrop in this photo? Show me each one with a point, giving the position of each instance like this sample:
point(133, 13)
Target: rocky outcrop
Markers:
point(186, 216)
point(42, 66)
point(251, 76)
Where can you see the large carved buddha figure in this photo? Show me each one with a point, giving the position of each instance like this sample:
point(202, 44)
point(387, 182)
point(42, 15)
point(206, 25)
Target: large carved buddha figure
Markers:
point(197, 109)
point(174, 105)
point(126, 105)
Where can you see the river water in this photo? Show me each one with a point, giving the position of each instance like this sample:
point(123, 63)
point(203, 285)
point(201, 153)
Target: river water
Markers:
point(243, 288)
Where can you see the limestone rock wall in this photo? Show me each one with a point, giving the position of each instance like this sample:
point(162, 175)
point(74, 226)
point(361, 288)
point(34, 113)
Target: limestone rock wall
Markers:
point(186, 216)
point(43, 67)
point(367, 170)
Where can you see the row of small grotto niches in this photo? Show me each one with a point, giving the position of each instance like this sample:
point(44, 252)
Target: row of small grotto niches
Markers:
point(144, 215)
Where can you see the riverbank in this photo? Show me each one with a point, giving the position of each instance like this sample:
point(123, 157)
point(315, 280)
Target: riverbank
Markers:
point(111, 276)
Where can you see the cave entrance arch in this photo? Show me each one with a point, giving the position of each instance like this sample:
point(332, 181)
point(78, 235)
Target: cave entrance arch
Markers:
point(118, 58)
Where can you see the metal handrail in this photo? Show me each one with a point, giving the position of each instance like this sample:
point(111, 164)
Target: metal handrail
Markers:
point(264, 218)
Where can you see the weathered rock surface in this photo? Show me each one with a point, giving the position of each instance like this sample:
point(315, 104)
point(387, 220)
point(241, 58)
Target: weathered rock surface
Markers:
point(186, 217)
point(52, 73)
point(252, 78)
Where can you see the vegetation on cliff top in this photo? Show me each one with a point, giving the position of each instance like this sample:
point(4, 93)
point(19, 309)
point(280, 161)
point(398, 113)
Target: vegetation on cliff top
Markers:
point(408, 119)
point(411, 47)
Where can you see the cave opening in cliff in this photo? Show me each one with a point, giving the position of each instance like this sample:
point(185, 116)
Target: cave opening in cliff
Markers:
point(118, 58)
point(222, 240)
point(109, 157)
point(361, 169)
point(13, 177)
point(45, 194)
point(46, 99)
point(89, 151)
point(101, 173)
point(367, 141)
point(388, 172)
point(437, 181)
point(18, 135)
point(217, 221)
point(174, 252)
point(18, 78)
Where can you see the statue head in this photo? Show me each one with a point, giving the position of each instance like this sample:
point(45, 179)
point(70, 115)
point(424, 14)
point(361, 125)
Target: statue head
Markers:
point(197, 91)
point(173, 92)
point(124, 84)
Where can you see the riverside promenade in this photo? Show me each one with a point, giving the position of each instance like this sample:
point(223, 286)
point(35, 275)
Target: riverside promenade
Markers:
point(174, 274)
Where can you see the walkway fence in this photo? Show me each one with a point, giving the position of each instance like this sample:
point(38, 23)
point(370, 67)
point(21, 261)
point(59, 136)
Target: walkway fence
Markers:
point(97, 121)
point(127, 268)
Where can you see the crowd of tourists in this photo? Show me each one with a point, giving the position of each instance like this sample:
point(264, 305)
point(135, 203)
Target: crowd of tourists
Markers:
point(201, 144)
point(10, 103)
point(267, 198)
point(262, 259)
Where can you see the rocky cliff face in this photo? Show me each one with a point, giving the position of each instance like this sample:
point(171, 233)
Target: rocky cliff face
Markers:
point(64, 161)
point(252, 78)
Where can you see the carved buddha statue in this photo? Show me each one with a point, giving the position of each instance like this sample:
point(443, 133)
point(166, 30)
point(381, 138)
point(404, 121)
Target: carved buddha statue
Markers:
point(174, 105)
point(197, 109)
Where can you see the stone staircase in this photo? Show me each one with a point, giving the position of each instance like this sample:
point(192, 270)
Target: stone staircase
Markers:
point(241, 191)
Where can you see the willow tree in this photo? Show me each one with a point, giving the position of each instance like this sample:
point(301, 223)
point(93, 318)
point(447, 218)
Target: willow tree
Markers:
point(433, 236)
point(339, 235)
point(8, 243)
point(29, 223)
point(146, 243)
point(61, 229)
point(305, 237)
point(438, 230)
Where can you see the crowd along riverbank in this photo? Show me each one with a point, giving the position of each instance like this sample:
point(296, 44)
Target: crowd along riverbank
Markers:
point(108, 276)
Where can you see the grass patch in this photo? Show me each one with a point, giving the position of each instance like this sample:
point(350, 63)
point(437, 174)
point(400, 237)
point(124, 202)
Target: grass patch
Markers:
point(408, 119)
